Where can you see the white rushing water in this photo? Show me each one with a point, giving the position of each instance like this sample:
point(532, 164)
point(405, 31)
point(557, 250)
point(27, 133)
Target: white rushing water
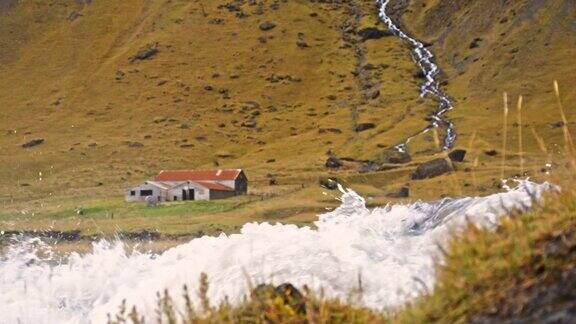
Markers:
point(392, 249)
point(431, 87)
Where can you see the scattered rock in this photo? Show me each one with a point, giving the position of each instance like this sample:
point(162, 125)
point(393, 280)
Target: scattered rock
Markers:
point(120, 75)
point(559, 124)
point(491, 153)
point(158, 120)
point(372, 33)
point(329, 130)
point(432, 169)
point(224, 154)
point(368, 166)
point(333, 162)
point(475, 43)
point(32, 143)
point(373, 94)
point(270, 160)
point(395, 157)
point(403, 192)
point(185, 126)
point(248, 124)
point(74, 15)
point(147, 52)
point(457, 155)
point(134, 144)
point(363, 127)
point(265, 26)
point(302, 44)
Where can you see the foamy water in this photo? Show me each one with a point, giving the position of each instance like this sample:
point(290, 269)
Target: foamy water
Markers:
point(392, 249)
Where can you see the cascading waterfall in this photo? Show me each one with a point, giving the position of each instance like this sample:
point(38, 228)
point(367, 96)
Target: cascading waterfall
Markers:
point(431, 87)
point(393, 250)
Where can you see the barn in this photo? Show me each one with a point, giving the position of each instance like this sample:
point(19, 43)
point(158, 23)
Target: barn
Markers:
point(178, 185)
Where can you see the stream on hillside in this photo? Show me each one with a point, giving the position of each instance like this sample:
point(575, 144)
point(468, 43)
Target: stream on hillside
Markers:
point(430, 88)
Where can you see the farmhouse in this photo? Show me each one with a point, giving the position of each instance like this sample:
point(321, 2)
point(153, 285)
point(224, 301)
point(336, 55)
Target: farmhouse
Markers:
point(190, 185)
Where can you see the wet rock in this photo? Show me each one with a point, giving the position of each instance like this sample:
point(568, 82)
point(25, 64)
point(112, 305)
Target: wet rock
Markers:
point(419, 74)
point(329, 183)
point(372, 33)
point(457, 155)
point(265, 26)
point(364, 126)
point(32, 143)
point(147, 52)
point(333, 162)
point(403, 192)
point(432, 169)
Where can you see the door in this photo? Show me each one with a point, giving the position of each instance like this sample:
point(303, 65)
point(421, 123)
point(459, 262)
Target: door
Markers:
point(188, 194)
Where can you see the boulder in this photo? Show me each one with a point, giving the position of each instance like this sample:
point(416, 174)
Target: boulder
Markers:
point(372, 33)
point(287, 293)
point(32, 143)
point(419, 74)
point(432, 169)
point(333, 162)
point(147, 52)
point(403, 192)
point(265, 26)
point(364, 126)
point(457, 155)
point(329, 183)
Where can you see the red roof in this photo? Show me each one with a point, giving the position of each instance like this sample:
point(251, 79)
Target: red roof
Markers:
point(214, 186)
point(197, 175)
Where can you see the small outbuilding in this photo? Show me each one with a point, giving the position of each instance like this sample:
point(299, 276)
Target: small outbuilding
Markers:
point(176, 185)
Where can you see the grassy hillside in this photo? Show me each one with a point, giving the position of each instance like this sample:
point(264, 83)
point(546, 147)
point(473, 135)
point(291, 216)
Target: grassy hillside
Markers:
point(226, 90)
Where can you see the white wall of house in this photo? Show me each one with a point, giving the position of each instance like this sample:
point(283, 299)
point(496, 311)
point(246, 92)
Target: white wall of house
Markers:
point(200, 193)
point(141, 191)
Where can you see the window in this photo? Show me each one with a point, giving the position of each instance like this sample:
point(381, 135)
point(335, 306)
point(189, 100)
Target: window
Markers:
point(145, 193)
point(133, 193)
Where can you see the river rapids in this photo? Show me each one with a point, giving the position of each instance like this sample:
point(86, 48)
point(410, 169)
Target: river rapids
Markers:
point(392, 250)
